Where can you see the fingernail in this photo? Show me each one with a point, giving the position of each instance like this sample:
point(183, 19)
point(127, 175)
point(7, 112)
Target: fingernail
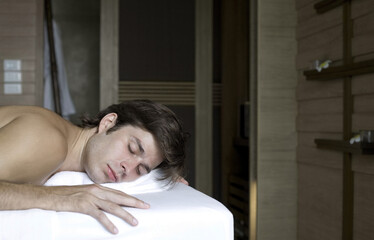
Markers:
point(146, 204)
point(134, 221)
point(115, 230)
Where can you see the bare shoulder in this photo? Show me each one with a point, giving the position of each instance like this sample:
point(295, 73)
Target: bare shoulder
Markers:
point(32, 123)
point(30, 137)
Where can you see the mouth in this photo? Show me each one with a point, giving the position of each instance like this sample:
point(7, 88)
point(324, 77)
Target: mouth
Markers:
point(111, 174)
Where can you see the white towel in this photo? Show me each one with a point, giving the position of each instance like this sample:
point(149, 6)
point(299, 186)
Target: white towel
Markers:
point(144, 184)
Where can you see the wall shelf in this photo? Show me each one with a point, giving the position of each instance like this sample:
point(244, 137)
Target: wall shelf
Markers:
point(347, 70)
point(327, 5)
point(345, 146)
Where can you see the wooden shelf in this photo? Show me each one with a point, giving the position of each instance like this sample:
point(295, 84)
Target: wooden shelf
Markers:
point(347, 70)
point(345, 146)
point(327, 5)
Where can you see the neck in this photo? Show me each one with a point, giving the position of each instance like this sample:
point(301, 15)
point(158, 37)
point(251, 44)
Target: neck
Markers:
point(74, 158)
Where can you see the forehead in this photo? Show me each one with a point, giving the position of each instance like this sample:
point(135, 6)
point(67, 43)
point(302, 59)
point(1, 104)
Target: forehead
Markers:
point(137, 132)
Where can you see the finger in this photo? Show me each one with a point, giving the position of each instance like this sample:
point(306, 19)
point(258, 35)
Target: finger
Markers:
point(120, 198)
point(117, 211)
point(184, 181)
point(101, 217)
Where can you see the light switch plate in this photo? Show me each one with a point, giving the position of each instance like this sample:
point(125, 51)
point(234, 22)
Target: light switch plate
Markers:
point(12, 77)
point(12, 65)
point(12, 88)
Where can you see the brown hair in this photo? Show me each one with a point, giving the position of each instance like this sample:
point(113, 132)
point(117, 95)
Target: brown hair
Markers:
point(157, 119)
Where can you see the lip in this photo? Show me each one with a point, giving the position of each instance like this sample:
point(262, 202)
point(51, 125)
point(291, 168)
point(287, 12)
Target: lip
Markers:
point(111, 174)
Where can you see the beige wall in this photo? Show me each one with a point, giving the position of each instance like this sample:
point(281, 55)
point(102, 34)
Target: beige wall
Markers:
point(276, 113)
point(21, 38)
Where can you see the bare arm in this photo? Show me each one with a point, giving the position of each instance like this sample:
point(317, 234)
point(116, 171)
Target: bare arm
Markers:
point(92, 200)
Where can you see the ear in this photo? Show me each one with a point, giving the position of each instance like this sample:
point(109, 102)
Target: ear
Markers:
point(107, 122)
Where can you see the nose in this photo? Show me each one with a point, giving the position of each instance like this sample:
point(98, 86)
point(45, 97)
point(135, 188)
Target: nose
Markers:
point(128, 165)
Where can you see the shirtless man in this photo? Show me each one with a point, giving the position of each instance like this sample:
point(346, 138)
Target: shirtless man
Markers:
point(122, 143)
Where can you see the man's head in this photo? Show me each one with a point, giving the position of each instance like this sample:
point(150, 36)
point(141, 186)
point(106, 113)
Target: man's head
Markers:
point(146, 117)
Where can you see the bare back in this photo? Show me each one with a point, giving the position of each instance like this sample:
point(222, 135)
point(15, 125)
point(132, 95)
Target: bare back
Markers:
point(34, 143)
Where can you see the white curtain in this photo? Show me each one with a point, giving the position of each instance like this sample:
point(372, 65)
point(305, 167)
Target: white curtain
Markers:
point(67, 105)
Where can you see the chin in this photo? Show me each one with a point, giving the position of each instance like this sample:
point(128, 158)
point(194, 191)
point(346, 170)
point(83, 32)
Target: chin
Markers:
point(95, 177)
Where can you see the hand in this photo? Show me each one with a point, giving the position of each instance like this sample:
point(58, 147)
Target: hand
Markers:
point(94, 199)
point(182, 180)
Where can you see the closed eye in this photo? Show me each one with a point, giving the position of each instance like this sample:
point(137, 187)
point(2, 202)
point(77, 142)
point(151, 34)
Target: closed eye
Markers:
point(133, 147)
point(139, 171)
point(130, 150)
point(142, 169)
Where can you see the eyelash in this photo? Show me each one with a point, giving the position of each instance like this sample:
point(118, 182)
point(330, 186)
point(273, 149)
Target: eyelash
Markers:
point(130, 150)
point(138, 171)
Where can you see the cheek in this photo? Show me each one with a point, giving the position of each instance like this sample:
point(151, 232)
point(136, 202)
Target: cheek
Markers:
point(94, 170)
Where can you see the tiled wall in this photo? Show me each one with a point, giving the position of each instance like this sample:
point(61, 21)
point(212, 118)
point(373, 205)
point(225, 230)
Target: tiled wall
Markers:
point(21, 38)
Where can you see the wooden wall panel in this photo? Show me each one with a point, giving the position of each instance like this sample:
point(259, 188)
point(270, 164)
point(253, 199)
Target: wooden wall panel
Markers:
point(330, 106)
point(360, 26)
point(363, 164)
point(302, 3)
point(277, 140)
point(319, 23)
point(363, 44)
point(363, 84)
point(363, 118)
point(313, 156)
point(320, 115)
point(362, 31)
point(363, 103)
point(277, 203)
point(319, 41)
point(328, 52)
point(320, 107)
point(276, 112)
point(318, 89)
point(363, 207)
point(361, 7)
point(319, 36)
point(307, 138)
point(330, 123)
point(304, 10)
point(320, 203)
point(363, 121)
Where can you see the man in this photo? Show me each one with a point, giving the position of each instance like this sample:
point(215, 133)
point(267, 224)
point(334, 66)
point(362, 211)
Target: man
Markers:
point(122, 143)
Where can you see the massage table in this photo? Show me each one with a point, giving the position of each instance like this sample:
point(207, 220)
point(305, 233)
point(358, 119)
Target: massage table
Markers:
point(177, 213)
